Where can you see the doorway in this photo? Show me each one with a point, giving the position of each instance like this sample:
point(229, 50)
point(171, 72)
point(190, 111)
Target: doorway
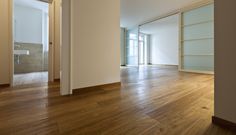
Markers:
point(163, 41)
point(136, 48)
point(31, 42)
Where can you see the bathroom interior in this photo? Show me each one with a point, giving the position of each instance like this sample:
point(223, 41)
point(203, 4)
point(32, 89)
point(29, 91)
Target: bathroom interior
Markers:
point(31, 23)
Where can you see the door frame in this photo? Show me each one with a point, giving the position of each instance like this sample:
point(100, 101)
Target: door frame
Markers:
point(50, 38)
point(11, 40)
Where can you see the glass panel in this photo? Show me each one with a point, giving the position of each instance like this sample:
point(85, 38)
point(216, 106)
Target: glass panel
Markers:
point(199, 31)
point(132, 36)
point(141, 38)
point(132, 47)
point(207, 69)
point(199, 47)
point(201, 63)
point(198, 15)
point(141, 52)
point(198, 39)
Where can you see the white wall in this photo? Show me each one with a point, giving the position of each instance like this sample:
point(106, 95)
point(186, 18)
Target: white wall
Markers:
point(95, 32)
point(164, 44)
point(66, 53)
point(28, 24)
point(225, 65)
point(4, 43)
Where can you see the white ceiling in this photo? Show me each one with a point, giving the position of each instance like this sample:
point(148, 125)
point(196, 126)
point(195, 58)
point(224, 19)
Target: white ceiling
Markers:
point(33, 4)
point(154, 27)
point(135, 12)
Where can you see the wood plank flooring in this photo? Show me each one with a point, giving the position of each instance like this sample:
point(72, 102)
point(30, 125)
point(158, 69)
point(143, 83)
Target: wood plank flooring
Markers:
point(151, 101)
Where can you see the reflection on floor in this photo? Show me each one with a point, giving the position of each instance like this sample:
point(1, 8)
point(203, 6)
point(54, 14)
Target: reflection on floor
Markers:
point(30, 78)
point(151, 101)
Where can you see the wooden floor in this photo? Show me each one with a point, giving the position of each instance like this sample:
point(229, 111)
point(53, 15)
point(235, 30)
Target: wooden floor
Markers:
point(152, 101)
point(30, 78)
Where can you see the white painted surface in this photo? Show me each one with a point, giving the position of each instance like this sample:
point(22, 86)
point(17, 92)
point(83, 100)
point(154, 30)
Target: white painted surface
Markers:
point(4, 43)
point(164, 40)
point(134, 12)
point(95, 42)
point(28, 25)
point(66, 53)
point(225, 65)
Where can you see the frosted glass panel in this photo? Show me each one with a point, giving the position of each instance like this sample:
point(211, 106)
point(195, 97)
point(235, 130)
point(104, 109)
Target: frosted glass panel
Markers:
point(207, 69)
point(132, 60)
point(205, 63)
point(198, 47)
point(198, 39)
point(199, 31)
point(202, 14)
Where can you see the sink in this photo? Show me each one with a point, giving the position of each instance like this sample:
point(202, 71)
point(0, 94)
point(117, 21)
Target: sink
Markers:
point(21, 52)
point(18, 53)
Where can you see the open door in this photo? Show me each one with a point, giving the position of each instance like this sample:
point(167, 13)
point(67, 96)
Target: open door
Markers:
point(29, 60)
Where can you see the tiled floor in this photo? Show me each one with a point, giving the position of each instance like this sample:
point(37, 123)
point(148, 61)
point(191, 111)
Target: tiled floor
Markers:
point(30, 78)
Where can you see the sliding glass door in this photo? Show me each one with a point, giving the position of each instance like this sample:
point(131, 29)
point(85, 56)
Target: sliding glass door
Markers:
point(197, 43)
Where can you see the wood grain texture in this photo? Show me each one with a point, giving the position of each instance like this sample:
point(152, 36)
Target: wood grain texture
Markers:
point(151, 101)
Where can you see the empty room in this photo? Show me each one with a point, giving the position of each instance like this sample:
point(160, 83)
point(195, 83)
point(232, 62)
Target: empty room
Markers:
point(120, 67)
